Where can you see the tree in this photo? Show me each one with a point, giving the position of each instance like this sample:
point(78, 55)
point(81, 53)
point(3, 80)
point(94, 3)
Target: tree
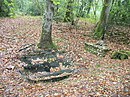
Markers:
point(89, 6)
point(69, 16)
point(102, 23)
point(81, 11)
point(0, 6)
point(46, 39)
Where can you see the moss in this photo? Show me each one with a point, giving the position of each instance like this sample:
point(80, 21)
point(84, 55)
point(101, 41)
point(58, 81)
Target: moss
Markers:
point(98, 65)
point(47, 46)
point(97, 34)
point(126, 52)
point(95, 49)
point(119, 55)
point(98, 31)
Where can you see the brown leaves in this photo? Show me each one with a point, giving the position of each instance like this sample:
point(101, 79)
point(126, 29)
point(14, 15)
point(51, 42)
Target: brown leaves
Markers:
point(101, 77)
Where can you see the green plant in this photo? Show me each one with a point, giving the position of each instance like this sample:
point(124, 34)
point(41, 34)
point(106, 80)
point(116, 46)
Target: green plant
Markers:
point(119, 13)
point(7, 8)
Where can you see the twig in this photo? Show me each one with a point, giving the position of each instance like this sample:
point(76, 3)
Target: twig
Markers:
point(26, 47)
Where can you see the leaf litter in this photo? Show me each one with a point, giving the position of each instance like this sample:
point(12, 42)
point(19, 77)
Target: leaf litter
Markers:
point(101, 76)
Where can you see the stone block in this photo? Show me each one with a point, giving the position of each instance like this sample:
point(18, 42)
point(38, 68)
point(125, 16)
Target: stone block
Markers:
point(99, 50)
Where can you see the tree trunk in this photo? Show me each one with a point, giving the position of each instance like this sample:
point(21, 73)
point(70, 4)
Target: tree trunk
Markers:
point(46, 39)
point(69, 16)
point(89, 6)
point(0, 6)
point(102, 24)
point(81, 12)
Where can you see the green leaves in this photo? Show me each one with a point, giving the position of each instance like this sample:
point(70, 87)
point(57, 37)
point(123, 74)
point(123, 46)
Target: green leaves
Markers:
point(56, 2)
point(7, 8)
point(5, 2)
point(120, 12)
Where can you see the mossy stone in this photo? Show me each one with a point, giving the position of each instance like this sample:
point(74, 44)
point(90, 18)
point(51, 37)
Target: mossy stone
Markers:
point(119, 55)
point(98, 50)
point(126, 52)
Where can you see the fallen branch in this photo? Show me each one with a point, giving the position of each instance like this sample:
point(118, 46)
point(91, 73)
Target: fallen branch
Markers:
point(26, 46)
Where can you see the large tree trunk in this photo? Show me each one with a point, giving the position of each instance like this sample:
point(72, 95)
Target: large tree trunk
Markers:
point(46, 39)
point(102, 24)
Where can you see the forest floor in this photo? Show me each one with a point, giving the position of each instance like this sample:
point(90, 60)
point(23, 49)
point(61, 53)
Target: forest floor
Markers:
point(102, 77)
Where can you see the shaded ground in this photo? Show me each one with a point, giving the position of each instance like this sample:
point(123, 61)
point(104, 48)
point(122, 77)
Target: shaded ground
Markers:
point(101, 76)
point(119, 34)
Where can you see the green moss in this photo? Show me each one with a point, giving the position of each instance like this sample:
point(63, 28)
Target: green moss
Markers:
point(95, 49)
point(59, 39)
point(98, 65)
point(98, 32)
point(119, 55)
point(47, 46)
point(126, 52)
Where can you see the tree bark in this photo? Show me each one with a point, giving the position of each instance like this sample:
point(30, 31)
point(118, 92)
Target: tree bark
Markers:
point(46, 39)
point(102, 24)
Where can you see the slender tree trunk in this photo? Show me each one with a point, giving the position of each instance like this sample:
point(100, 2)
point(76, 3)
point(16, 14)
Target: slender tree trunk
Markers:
point(89, 6)
point(46, 39)
point(81, 12)
point(69, 16)
point(0, 6)
point(102, 24)
point(39, 6)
